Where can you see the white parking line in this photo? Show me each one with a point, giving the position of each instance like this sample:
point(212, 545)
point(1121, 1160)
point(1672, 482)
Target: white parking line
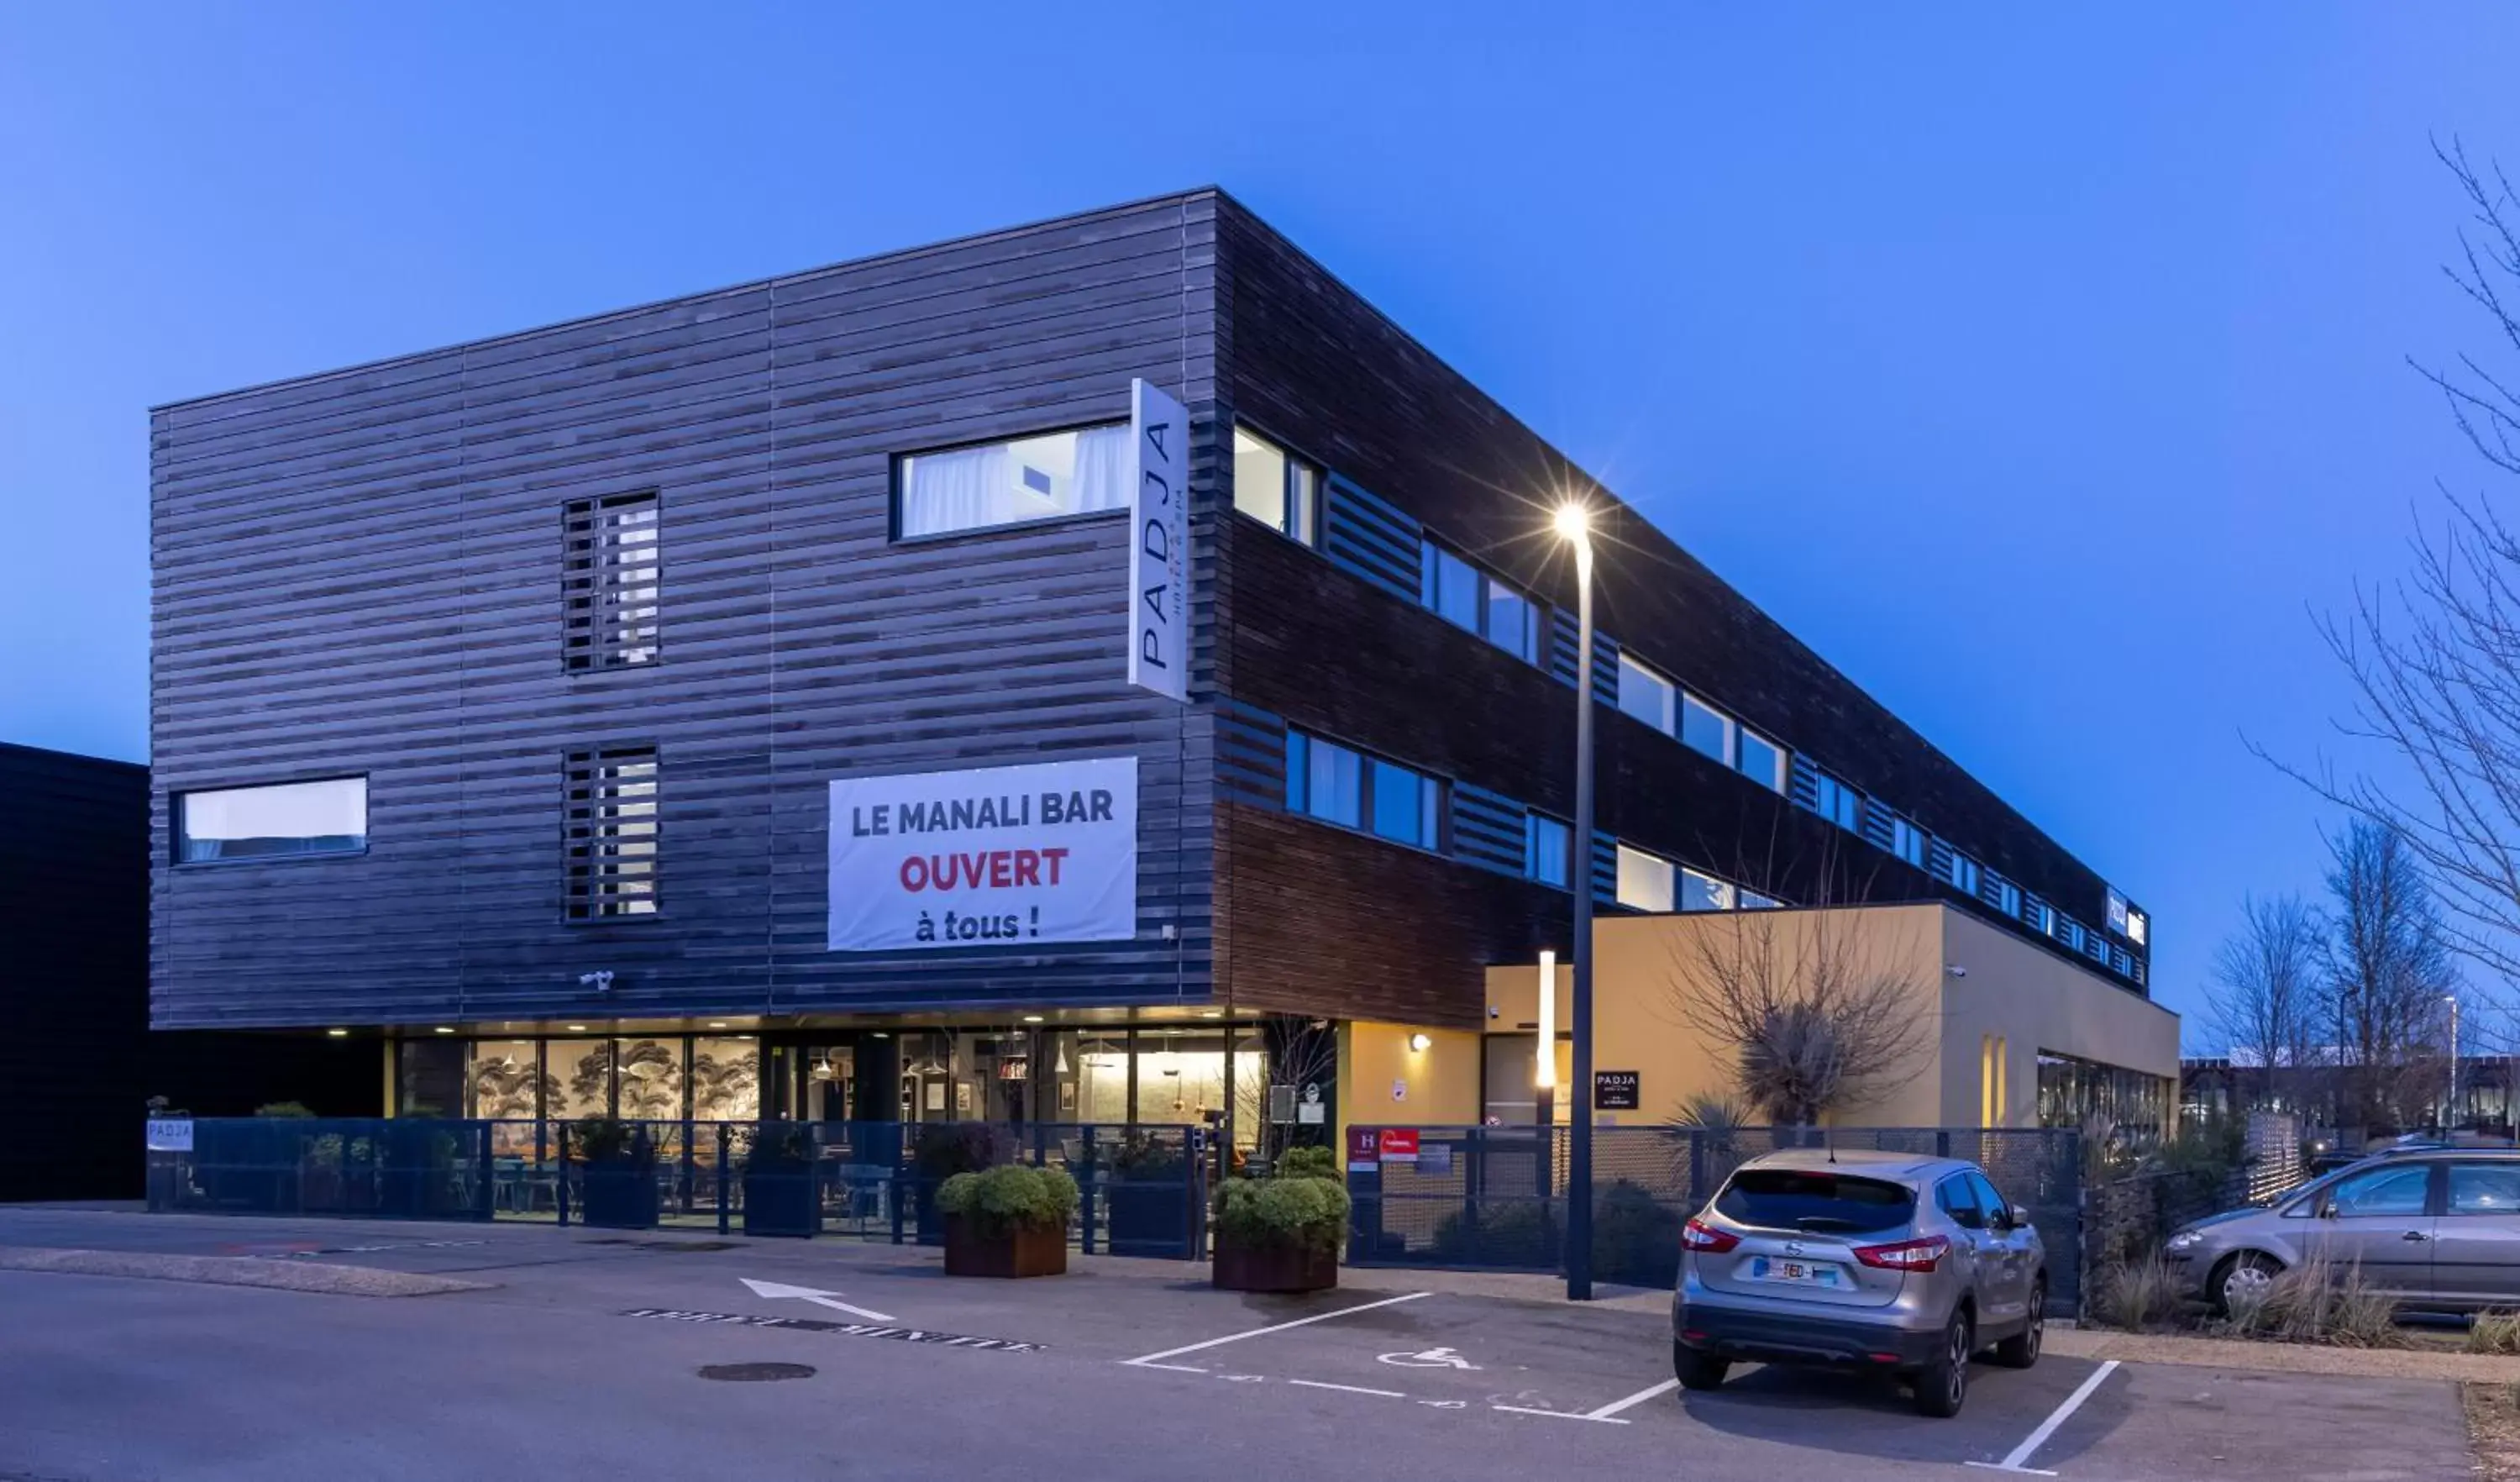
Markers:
point(1557, 1414)
point(1638, 1398)
point(1353, 1389)
point(2047, 1427)
point(1147, 1361)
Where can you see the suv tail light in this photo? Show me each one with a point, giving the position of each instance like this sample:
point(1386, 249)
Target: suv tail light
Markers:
point(1907, 1255)
point(1697, 1235)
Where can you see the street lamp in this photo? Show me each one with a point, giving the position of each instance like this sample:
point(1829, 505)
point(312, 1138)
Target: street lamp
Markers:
point(2449, 1118)
point(1574, 525)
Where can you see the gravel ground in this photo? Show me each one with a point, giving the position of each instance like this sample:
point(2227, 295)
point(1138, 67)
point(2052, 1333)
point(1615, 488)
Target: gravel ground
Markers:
point(234, 1270)
point(2494, 1427)
point(2283, 1358)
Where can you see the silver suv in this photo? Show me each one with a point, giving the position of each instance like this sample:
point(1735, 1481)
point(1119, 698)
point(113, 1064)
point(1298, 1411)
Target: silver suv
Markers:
point(2437, 1228)
point(1875, 1261)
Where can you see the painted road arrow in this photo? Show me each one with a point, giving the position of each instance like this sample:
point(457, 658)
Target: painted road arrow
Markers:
point(778, 1290)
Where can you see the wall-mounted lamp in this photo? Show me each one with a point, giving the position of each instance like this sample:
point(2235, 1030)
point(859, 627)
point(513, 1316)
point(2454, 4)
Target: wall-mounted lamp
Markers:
point(1419, 1042)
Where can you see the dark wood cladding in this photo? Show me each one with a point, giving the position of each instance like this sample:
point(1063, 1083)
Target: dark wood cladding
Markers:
point(1315, 367)
point(73, 973)
point(361, 572)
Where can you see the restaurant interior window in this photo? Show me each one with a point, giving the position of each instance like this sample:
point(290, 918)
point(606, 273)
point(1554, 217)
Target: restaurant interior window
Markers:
point(726, 1079)
point(1647, 695)
point(329, 817)
point(650, 1072)
point(505, 1081)
point(1101, 1063)
point(1646, 882)
point(430, 1083)
point(1014, 482)
point(581, 1078)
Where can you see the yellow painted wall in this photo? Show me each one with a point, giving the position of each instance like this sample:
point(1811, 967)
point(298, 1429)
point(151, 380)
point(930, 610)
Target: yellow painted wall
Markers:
point(2016, 991)
point(1440, 1083)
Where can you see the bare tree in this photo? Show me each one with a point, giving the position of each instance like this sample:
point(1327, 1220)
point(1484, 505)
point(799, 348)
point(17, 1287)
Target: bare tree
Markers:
point(2435, 657)
point(2268, 995)
point(2388, 966)
point(1301, 1052)
point(1819, 1012)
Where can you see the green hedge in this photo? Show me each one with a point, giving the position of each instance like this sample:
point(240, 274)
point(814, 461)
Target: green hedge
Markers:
point(1297, 1211)
point(1009, 1197)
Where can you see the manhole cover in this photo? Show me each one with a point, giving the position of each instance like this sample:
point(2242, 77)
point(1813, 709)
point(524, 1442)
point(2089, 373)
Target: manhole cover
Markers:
point(740, 1372)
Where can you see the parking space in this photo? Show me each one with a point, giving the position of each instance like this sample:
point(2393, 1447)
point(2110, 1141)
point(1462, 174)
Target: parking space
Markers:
point(1457, 1381)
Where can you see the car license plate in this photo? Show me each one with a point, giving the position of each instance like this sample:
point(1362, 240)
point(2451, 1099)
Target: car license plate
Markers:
point(1804, 1272)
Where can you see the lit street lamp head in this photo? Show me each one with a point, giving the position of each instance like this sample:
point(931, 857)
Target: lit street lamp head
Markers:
point(1574, 523)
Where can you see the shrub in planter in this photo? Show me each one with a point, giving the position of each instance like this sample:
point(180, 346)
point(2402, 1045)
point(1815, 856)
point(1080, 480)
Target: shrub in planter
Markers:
point(1148, 1195)
point(619, 1187)
point(1308, 1163)
point(779, 1192)
point(1009, 1221)
point(1280, 1234)
point(945, 1150)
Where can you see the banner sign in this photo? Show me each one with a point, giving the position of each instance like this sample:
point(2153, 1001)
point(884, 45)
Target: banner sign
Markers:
point(1158, 543)
point(998, 856)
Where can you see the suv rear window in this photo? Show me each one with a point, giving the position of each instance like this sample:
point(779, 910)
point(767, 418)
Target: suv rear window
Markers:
point(1782, 1198)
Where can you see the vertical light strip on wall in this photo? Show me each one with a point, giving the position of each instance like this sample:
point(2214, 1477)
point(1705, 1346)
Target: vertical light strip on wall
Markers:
point(1544, 1063)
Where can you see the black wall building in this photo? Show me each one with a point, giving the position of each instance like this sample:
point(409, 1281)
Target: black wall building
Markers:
point(560, 640)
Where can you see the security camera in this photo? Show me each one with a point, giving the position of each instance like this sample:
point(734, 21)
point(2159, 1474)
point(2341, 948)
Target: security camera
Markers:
point(1494, 1010)
point(1955, 969)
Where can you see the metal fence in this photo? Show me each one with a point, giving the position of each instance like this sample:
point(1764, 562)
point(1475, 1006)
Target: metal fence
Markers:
point(1143, 1189)
point(1495, 1197)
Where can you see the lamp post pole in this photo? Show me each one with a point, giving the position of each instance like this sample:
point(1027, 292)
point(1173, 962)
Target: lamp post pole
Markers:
point(1573, 523)
point(2449, 1117)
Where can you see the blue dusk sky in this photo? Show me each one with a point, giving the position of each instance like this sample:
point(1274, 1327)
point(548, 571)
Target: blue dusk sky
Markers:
point(2041, 367)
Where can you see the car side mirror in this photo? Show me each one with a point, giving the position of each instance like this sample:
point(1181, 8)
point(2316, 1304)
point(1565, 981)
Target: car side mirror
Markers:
point(2021, 1217)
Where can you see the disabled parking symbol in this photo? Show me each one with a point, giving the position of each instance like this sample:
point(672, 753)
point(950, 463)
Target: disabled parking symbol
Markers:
point(1432, 1358)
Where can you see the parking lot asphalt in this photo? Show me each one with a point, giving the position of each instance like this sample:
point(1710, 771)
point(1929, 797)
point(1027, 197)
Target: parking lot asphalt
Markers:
point(583, 1360)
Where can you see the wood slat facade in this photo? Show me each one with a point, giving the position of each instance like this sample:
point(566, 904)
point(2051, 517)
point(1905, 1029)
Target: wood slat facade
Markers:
point(363, 573)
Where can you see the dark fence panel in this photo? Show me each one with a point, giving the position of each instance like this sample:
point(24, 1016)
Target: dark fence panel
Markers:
point(1495, 1197)
point(370, 1169)
point(1143, 1189)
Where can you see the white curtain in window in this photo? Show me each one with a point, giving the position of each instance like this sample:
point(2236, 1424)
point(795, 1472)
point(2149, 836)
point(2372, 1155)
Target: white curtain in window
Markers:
point(960, 490)
point(1102, 469)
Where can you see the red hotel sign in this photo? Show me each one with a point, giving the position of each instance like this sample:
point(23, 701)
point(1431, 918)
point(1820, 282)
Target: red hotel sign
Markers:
point(1399, 1145)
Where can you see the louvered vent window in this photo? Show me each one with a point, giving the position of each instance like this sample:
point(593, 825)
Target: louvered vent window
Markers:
point(611, 833)
point(611, 581)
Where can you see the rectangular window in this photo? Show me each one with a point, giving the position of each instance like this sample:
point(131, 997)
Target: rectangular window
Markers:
point(1513, 621)
point(1706, 729)
point(1646, 883)
point(1014, 482)
point(2041, 918)
point(1547, 850)
point(611, 829)
point(1448, 586)
point(1964, 873)
point(608, 582)
point(1763, 761)
point(1907, 841)
point(1280, 491)
point(1648, 697)
point(1837, 802)
point(1341, 785)
point(2070, 932)
point(1704, 893)
point(2008, 895)
point(327, 816)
